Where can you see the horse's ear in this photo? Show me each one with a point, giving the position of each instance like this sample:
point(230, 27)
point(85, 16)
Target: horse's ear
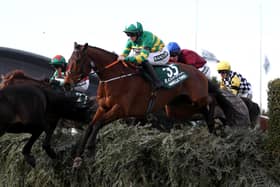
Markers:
point(85, 47)
point(75, 45)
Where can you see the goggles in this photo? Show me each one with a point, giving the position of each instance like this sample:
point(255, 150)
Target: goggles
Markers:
point(56, 66)
point(129, 34)
point(222, 71)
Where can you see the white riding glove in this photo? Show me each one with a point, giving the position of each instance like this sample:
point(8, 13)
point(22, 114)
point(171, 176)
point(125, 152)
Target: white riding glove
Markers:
point(121, 58)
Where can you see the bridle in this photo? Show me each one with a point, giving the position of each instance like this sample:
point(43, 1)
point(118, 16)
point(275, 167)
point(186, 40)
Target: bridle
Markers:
point(78, 58)
point(81, 56)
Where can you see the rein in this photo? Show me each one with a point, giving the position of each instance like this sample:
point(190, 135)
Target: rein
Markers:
point(115, 62)
point(119, 77)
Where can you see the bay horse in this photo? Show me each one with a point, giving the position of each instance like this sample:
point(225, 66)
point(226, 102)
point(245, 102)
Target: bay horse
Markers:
point(31, 106)
point(123, 92)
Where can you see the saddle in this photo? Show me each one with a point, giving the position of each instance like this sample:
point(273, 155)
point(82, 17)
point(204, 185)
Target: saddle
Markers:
point(169, 74)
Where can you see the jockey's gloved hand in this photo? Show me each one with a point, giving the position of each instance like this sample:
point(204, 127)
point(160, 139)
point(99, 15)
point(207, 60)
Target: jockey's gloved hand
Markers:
point(130, 59)
point(121, 58)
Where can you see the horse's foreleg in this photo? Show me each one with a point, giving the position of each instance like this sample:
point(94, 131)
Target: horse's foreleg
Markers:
point(47, 142)
point(89, 139)
point(114, 113)
point(27, 149)
point(97, 117)
point(78, 160)
point(90, 146)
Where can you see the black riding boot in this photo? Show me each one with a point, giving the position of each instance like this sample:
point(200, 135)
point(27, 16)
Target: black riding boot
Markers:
point(150, 70)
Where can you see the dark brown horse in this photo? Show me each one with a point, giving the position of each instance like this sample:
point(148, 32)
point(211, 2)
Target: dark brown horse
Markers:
point(19, 77)
point(31, 106)
point(123, 92)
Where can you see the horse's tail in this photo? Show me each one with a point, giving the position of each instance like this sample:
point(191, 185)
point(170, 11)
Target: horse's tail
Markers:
point(227, 107)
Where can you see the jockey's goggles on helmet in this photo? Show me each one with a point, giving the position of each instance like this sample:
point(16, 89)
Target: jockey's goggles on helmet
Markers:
point(130, 34)
point(222, 71)
point(56, 65)
point(174, 54)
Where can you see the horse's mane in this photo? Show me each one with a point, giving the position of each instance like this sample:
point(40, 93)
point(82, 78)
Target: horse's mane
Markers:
point(18, 74)
point(104, 50)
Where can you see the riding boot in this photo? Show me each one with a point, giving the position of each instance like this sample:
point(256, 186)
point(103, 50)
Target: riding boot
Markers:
point(150, 70)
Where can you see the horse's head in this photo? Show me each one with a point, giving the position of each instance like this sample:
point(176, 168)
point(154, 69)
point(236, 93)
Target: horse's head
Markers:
point(79, 65)
point(86, 58)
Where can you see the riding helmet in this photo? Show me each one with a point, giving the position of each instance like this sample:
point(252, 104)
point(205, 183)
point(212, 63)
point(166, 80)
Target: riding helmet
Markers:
point(134, 29)
point(58, 60)
point(174, 48)
point(223, 66)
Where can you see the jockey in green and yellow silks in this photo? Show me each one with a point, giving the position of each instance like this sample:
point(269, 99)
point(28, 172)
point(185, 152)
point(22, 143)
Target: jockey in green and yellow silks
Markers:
point(147, 49)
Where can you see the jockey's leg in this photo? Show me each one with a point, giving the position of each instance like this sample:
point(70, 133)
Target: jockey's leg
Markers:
point(150, 70)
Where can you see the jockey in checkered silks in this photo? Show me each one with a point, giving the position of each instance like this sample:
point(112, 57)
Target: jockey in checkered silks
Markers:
point(233, 81)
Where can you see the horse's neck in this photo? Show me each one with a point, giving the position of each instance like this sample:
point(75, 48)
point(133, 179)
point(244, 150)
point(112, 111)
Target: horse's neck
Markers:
point(105, 62)
point(101, 55)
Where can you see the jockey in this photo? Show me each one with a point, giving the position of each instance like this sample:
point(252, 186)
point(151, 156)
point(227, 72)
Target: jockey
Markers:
point(57, 79)
point(59, 63)
point(233, 81)
point(187, 56)
point(147, 48)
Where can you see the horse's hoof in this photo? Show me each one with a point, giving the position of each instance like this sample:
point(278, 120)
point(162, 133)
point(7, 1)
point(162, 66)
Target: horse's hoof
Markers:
point(77, 162)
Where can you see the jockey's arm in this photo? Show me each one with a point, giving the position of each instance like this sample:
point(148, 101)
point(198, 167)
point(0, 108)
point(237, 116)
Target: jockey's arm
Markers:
point(138, 59)
point(222, 85)
point(235, 84)
point(127, 49)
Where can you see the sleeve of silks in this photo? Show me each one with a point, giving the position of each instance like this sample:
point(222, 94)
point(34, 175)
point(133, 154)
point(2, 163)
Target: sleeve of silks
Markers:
point(222, 85)
point(235, 84)
point(234, 91)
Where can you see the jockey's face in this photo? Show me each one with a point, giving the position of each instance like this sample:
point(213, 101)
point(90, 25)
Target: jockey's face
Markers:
point(173, 59)
point(223, 74)
point(133, 38)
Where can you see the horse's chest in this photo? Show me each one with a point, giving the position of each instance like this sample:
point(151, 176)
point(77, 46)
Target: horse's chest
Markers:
point(106, 97)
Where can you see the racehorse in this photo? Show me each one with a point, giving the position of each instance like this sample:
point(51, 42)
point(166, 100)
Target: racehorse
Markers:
point(20, 77)
point(31, 106)
point(123, 92)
